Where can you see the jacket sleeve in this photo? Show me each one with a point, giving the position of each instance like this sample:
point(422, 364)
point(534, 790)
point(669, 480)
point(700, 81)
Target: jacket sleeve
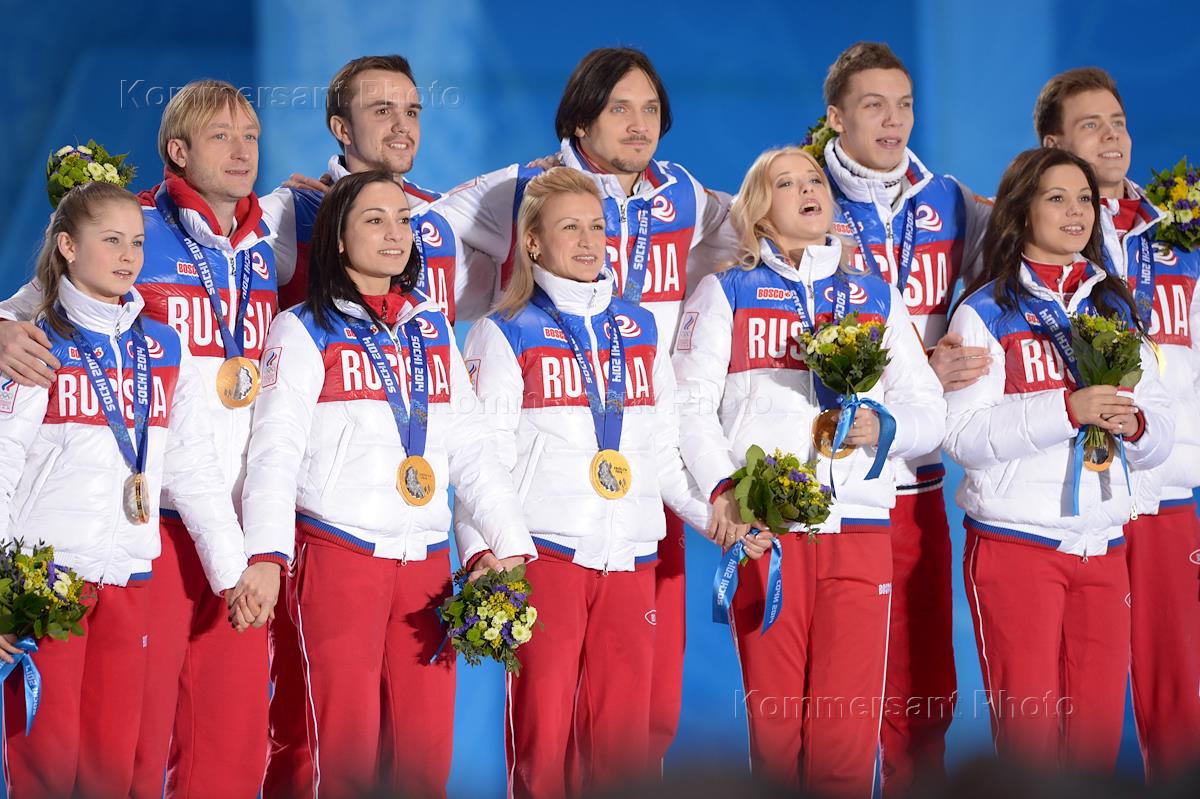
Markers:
point(283, 415)
point(714, 243)
point(279, 212)
point(476, 283)
point(498, 388)
point(192, 480)
point(21, 306)
point(978, 211)
point(912, 391)
point(481, 212)
point(986, 427)
point(701, 363)
point(679, 491)
point(1151, 397)
point(18, 430)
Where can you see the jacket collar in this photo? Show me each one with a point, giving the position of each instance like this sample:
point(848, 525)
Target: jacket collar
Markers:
point(860, 189)
point(200, 223)
point(97, 316)
point(818, 262)
point(415, 302)
point(1149, 214)
point(649, 183)
point(573, 297)
point(337, 170)
point(1035, 287)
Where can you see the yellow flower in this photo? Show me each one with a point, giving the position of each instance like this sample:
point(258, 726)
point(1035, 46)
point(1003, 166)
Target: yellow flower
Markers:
point(1179, 191)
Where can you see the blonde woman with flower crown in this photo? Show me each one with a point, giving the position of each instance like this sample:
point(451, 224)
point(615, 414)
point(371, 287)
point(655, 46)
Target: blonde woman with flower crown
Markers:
point(813, 682)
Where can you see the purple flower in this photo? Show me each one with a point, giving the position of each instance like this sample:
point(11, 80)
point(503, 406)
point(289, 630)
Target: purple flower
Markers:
point(795, 476)
point(874, 333)
point(770, 461)
point(50, 573)
point(506, 634)
point(825, 489)
point(803, 478)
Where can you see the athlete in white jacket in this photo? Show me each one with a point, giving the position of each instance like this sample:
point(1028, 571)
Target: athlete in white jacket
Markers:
point(743, 382)
point(1045, 568)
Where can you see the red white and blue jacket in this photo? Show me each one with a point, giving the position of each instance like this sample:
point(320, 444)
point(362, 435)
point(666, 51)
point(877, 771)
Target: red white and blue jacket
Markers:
point(325, 447)
point(483, 212)
point(293, 211)
point(62, 476)
point(949, 225)
point(175, 297)
point(533, 395)
point(742, 379)
point(1174, 325)
point(1012, 432)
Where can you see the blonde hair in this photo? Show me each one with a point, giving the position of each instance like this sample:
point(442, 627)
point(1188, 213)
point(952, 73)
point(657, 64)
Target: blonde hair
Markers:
point(752, 206)
point(192, 108)
point(558, 180)
point(81, 204)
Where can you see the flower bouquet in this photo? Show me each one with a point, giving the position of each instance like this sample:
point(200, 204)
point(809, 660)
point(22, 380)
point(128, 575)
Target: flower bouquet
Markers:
point(1177, 191)
point(816, 138)
point(781, 491)
point(848, 357)
point(490, 617)
point(37, 598)
point(69, 166)
point(1108, 353)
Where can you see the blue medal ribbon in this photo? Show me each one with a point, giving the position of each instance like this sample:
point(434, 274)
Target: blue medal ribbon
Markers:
point(32, 677)
point(232, 341)
point(887, 433)
point(908, 238)
point(725, 584)
point(607, 415)
point(1143, 290)
point(133, 453)
point(1055, 324)
point(413, 425)
point(635, 278)
point(422, 279)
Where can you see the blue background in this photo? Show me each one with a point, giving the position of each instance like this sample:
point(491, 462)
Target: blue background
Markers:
point(742, 77)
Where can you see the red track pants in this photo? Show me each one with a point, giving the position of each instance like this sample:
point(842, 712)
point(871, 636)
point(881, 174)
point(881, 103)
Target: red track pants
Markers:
point(670, 638)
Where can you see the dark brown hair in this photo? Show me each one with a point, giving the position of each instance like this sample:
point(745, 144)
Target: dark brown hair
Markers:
point(342, 90)
point(1048, 110)
point(590, 85)
point(81, 204)
point(856, 58)
point(328, 280)
point(1006, 236)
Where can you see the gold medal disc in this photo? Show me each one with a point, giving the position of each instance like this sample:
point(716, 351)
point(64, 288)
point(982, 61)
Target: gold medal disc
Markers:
point(1099, 459)
point(415, 480)
point(824, 429)
point(137, 504)
point(237, 382)
point(610, 474)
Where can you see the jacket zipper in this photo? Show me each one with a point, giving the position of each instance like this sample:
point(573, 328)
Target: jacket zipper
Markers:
point(114, 341)
point(622, 254)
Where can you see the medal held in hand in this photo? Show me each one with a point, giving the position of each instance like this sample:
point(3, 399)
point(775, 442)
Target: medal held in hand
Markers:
point(609, 472)
point(416, 481)
point(135, 497)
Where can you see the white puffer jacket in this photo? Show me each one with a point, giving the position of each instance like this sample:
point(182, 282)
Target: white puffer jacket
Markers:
point(742, 381)
point(325, 444)
point(62, 476)
point(1012, 434)
point(532, 392)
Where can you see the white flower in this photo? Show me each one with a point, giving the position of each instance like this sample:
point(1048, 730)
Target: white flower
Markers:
point(521, 633)
point(499, 618)
point(491, 634)
point(530, 615)
point(62, 585)
point(84, 150)
point(63, 151)
point(95, 170)
point(485, 611)
point(111, 174)
point(828, 335)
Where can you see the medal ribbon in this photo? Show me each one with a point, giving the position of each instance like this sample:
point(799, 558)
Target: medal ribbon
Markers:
point(635, 278)
point(134, 454)
point(1055, 324)
point(907, 237)
point(32, 678)
point(233, 342)
point(725, 584)
point(607, 416)
point(412, 425)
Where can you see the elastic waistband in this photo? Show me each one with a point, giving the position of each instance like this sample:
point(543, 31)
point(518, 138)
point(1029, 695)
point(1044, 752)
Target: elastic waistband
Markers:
point(851, 524)
point(323, 531)
point(985, 530)
point(1176, 506)
point(556, 551)
point(929, 478)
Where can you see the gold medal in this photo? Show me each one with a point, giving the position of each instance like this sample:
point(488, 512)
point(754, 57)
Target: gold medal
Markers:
point(610, 474)
point(137, 504)
point(1099, 459)
point(237, 382)
point(415, 480)
point(824, 428)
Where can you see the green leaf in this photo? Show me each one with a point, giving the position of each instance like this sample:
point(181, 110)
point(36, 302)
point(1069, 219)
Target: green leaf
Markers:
point(754, 455)
point(1130, 378)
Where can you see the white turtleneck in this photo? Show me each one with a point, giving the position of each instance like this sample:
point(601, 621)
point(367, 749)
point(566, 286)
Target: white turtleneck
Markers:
point(110, 319)
point(575, 297)
point(892, 182)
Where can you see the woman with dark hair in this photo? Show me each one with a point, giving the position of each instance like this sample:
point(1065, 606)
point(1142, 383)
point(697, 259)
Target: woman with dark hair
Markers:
point(1045, 569)
point(366, 419)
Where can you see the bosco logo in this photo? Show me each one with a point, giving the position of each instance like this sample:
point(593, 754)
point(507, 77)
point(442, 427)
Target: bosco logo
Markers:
point(153, 348)
point(430, 235)
point(858, 295)
point(627, 326)
point(662, 209)
point(428, 329)
point(259, 265)
point(1164, 254)
point(928, 219)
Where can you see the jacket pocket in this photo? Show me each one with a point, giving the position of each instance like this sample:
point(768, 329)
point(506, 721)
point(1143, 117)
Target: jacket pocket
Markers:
point(43, 470)
point(339, 458)
point(531, 464)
